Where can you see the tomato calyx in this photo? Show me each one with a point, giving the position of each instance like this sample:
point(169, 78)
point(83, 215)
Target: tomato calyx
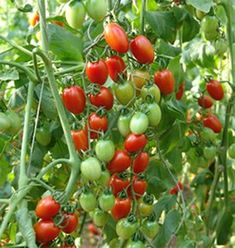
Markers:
point(148, 199)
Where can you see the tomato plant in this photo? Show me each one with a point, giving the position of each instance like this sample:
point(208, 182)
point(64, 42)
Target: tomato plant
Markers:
point(116, 123)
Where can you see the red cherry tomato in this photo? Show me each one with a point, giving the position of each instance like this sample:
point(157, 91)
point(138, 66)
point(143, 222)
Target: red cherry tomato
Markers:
point(116, 66)
point(93, 229)
point(165, 81)
point(121, 208)
point(74, 99)
point(140, 163)
point(139, 186)
point(80, 140)
point(180, 92)
point(47, 208)
point(120, 162)
point(176, 189)
point(97, 72)
point(46, 231)
point(134, 142)
point(103, 99)
point(70, 222)
point(213, 123)
point(118, 184)
point(97, 123)
point(142, 49)
point(116, 37)
point(215, 89)
point(205, 101)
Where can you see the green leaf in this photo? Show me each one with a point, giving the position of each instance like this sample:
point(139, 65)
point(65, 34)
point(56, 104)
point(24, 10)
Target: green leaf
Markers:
point(9, 75)
point(164, 204)
point(203, 5)
point(170, 225)
point(165, 49)
point(224, 229)
point(5, 168)
point(47, 104)
point(190, 28)
point(64, 44)
point(163, 24)
point(110, 229)
point(176, 68)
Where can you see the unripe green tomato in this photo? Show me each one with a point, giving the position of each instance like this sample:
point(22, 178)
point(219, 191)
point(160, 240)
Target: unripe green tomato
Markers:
point(104, 178)
point(114, 243)
point(145, 209)
point(62, 1)
point(106, 201)
point(125, 93)
point(126, 229)
point(149, 228)
point(209, 27)
point(124, 125)
point(5, 122)
point(221, 46)
point(154, 114)
point(100, 217)
point(139, 123)
point(209, 152)
point(43, 136)
point(88, 201)
point(135, 244)
point(97, 9)
point(231, 151)
point(91, 168)
point(105, 150)
point(199, 14)
point(153, 91)
point(15, 122)
point(75, 14)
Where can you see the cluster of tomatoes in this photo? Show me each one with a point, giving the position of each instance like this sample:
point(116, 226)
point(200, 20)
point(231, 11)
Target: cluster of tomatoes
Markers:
point(216, 92)
point(53, 220)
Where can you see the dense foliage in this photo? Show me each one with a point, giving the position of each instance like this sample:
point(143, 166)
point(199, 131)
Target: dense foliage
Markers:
point(116, 123)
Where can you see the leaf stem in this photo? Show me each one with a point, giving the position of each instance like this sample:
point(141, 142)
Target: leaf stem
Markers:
point(142, 15)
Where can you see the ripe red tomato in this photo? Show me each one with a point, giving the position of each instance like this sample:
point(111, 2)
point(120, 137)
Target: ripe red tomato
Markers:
point(70, 222)
point(142, 49)
point(97, 123)
point(180, 92)
point(215, 89)
point(140, 163)
point(74, 99)
point(97, 72)
point(205, 101)
point(80, 139)
point(134, 142)
point(118, 184)
point(213, 123)
point(116, 66)
point(116, 37)
point(120, 162)
point(139, 186)
point(165, 81)
point(103, 99)
point(47, 208)
point(93, 229)
point(176, 189)
point(121, 208)
point(46, 231)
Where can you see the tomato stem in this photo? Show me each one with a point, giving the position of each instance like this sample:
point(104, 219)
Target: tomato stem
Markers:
point(142, 14)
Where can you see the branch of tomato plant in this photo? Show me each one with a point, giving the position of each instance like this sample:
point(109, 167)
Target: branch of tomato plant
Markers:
point(73, 158)
point(142, 15)
point(20, 48)
point(23, 68)
point(166, 163)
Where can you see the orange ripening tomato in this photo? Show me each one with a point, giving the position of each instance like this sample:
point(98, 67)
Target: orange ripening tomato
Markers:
point(34, 19)
point(116, 37)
